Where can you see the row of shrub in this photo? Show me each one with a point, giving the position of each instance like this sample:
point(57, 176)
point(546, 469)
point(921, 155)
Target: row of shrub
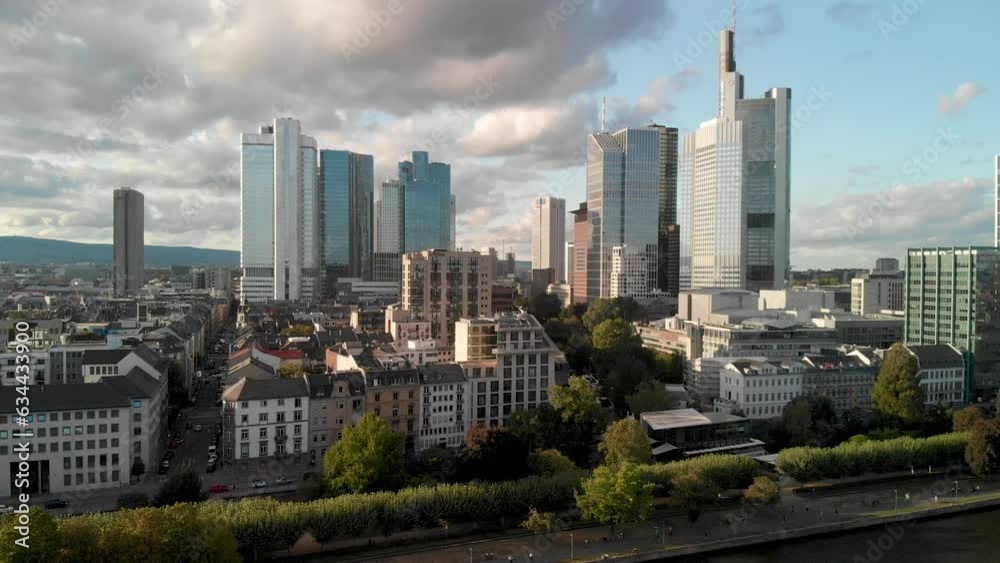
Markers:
point(855, 458)
point(257, 525)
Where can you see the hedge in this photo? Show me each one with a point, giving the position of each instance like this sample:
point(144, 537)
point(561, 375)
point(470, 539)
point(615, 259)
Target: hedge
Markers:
point(851, 459)
point(726, 471)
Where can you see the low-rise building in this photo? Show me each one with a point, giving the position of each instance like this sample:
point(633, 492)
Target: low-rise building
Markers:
point(393, 396)
point(445, 402)
point(684, 433)
point(941, 372)
point(336, 401)
point(265, 418)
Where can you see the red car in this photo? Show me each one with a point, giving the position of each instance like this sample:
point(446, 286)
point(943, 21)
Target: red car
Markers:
point(219, 489)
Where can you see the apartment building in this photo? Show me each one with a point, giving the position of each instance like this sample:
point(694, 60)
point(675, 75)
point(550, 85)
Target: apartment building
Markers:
point(444, 406)
point(265, 418)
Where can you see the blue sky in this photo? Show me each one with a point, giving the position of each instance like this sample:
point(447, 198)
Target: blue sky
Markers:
point(921, 84)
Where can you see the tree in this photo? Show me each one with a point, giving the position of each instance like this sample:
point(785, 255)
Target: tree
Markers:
point(763, 491)
point(983, 451)
point(571, 337)
point(544, 306)
point(648, 397)
point(576, 402)
point(42, 543)
point(543, 428)
point(547, 463)
point(965, 419)
point(538, 521)
point(615, 336)
point(626, 374)
point(601, 310)
point(625, 442)
point(291, 371)
point(693, 493)
point(495, 453)
point(616, 494)
point(668, 368)
point(188, 531)
point(809, 420)
point(181, 487)
point(897, 393)
point(138, 468)
point(367, 458)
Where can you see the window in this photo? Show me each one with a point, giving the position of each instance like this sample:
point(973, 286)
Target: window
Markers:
point(262, 449)
point(78, 430)
point(281, 402)
point(263, 433)
point(297, 429)
point(136, 404)
point(262, 418)
point(245, 419)
point(298, 402)
point(66, 430)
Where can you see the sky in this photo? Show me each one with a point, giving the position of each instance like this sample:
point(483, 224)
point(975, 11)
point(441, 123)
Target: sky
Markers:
point(895, 105)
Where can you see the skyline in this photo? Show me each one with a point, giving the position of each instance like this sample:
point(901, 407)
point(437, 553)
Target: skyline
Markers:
point(870, 108)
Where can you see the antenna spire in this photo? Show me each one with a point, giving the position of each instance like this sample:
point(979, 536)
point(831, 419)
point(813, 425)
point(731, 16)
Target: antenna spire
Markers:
point(604, 114)
point(734, 17)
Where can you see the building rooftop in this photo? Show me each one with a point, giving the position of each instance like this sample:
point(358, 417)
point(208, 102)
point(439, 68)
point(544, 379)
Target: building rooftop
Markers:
point(64, 397)
point(441, 373)
point(101, 357)
point(247, 389)
point(684, 418)
point(934, 356)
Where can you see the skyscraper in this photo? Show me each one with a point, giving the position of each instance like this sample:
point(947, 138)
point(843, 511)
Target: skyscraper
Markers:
point(581, 238)
point(453, 218)
point(389, 226)
point(129, 247)
point(953, 297)
point(996, 197)
point(548, 236)
point(346, 187)
point(427, 204)
point(279, 214)
point(623, 202)
point(734, 187)
point(667, 271)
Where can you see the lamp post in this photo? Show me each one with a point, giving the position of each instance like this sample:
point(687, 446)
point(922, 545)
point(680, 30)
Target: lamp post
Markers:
point(895, 501)
point(956, 490)
point(571, 546)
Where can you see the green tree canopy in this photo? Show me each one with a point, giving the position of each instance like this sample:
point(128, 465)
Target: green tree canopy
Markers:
point(616, 494)
point(963, 420)
point(545, 306)
point(547, 463)
point(763, 491)
point(649, 396)
point(538, 521)
point(983, 451)
point(575, 402)
point(184, 486)
point(809, 420)
point(43, 541)
point(495, 453)
point(625, 441)
point(692, 492)
point(298, 330)
point(601, 310)
point(615, 336)
point(897, 394)
point(368, 457)
point(291, 371)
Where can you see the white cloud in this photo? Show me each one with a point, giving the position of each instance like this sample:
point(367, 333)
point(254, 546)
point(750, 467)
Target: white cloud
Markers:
point(952, 105)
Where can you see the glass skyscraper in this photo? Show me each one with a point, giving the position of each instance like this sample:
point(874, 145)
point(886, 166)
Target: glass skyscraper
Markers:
point(346, 206)
point(623, 203)
point(428, 204)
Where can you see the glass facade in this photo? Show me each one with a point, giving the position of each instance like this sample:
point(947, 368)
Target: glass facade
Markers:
point(347, 191)
point(427, 205)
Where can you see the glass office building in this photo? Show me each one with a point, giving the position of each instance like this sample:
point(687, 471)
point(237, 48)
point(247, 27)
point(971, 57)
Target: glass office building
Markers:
point(346, 196)
point(952, 298)
point(428, 203)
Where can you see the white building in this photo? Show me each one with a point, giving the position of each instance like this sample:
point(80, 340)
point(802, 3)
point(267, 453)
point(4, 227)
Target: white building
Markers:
point(37, 363)
point(279, 214)
point(734, 187)
point(796, 299)
point(630, 270)
point(265, 418)
point(941, 371)
point(400, 325)
point(445, 405)
point(875, 292)
point(548, 236)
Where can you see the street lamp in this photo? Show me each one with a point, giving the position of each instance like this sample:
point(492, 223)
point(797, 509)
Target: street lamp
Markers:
point(956, 490)
point(895, 501)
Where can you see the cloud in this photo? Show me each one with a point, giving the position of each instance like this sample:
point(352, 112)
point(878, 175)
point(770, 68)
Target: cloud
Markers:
point(952, 105)
point(849, 13)
point(946, 213)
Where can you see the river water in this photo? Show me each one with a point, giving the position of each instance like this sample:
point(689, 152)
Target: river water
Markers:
point(968, 538)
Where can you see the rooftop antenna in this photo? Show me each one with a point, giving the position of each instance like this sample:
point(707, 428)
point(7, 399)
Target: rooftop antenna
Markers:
point(604, 114)
point(734, 17)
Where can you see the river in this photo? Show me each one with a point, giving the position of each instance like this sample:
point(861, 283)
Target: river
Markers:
point(967, 538)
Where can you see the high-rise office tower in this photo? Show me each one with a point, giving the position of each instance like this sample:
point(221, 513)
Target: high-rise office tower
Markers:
point(548, 236)
point(390, 202)
point(734, 187)
point(279, 214)
point(129, 247)
point(427, 204)
point(453, 218)
point(996, 198)
point(667, 271)
point(569, 264)
point(953, 297)
point(346, 190)
point(581, 238)
point(623, 202)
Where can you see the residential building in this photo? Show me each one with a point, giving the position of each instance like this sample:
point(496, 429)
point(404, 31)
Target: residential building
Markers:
point(279, 214)
point(581, 238)
point(265, 418)
point(37, 364)
point(952, 298)
point(399, 325)
point(623, 200)
point(129, 243)
point(548, 235)
point(445, 405)
point(336, 401)
point(876, 331)
point(211, 278)
point(442, 286)
point(346, 194)
point(563, 291)
point(502, 299)
point(367, 318)
point(393, 395)
point(426, 203)
point(475, 340)
point(734, 187)
point(685, 433)
point(941, 372)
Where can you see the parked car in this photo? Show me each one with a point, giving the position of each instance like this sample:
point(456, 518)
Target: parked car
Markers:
point(197, 428)
point(219, 489)
point(211, 449)
point(210, 468)
point(57, 503)
point(179, 441)
point(169, 455)
point(282, 481)
point(258, 484)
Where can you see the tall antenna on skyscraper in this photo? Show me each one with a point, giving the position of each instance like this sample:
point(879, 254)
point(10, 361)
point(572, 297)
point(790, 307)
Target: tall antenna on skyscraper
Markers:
point(604, 114)
point(734, 17)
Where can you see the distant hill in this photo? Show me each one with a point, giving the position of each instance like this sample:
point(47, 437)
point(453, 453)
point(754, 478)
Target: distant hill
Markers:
point(29, 250)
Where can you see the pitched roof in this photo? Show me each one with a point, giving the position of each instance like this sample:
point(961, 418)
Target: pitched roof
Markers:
point(135, 384)
point(100, 357)
point(441, 373)
point(256, 389)
point(64, 397)
point(935, 356)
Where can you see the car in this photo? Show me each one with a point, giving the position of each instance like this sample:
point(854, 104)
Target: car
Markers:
point(212, 458)
point(210, 468)
point(219, 489)
point(187, 426)
point(281, 481)
point(179, 441)
point(168, 456)
point(163, 469)
point(211, 449)
point(197, 428)
point(57, 503)
point(258, 483)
